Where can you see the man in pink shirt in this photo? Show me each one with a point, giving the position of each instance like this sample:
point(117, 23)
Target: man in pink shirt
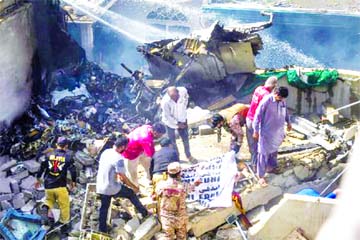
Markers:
point(141, 149)
point(259, 93)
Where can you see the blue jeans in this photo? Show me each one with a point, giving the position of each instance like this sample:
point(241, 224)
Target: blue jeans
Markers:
point(125, 192)
point(184, 134)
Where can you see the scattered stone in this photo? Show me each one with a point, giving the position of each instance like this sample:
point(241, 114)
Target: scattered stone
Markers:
point(231, 233)
point(132, 225)
point(28, 183)
point(5, 205)
point(303, 172)
point(291, 181)
point(278, 180)
point(28, 207)
point(6, 197)
point(20, 175)
point(28, 194)
point(14, 185)
point(147, 229)
point(205, 130)
point(6, 166)
point(5, 186)
point(32, 166)
point(18, 201)
point(288, 172)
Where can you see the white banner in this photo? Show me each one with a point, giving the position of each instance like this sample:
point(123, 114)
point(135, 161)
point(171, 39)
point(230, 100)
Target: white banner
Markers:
point(217, 177)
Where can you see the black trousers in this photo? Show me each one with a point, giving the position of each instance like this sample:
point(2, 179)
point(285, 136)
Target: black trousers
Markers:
point(125, 192)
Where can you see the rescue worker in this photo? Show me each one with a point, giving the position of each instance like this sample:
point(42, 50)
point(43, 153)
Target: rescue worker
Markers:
point(55, 167)
point(259, 93)
point(232, 119)
point(141, 148)
point(172, 194)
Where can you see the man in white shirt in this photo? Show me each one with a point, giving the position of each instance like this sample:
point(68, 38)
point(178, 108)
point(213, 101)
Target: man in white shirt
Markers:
point(174, 105)
point(111, 181)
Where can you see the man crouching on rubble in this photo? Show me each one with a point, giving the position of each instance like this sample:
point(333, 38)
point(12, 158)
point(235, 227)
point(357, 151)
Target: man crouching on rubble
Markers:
point(56, 165)
point(232, 119)
point(141, 149)
point(112, 182)
point(172, 193)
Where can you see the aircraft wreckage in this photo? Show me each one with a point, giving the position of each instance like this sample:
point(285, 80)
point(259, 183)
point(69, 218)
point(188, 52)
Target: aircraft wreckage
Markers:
point(218, 54)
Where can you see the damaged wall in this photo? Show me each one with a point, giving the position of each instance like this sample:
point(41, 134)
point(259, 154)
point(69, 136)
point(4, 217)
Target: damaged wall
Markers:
point(17, 49)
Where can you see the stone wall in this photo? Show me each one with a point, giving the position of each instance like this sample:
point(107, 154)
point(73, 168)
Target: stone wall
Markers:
point(17, 49)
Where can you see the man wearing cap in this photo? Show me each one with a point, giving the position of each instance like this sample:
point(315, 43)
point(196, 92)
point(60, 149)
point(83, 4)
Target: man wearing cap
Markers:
point(172, 193)
point(111, 181)
point(232, 119)
point(174, 116)
point(259, 93)
point(55, 168)
point(141, 148)
point(269, 121)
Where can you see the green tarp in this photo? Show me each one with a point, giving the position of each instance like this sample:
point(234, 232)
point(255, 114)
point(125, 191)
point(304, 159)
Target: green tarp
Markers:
point(317, 78)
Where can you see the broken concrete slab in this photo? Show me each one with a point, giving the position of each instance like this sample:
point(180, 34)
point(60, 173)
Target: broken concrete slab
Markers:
point(303, 172)
point(28, 194)
point(5, 205)
point(132, 225)
point(6, 197)
point(6, 166)
point(32, 166)
point(229, 233)
point(5, 185)
point(147, 229)
point(28, 183)
point(260, 196)
point(18, 201)
point(14, 185)
point(288, 215)
point(210, 219)
point(20, 175)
